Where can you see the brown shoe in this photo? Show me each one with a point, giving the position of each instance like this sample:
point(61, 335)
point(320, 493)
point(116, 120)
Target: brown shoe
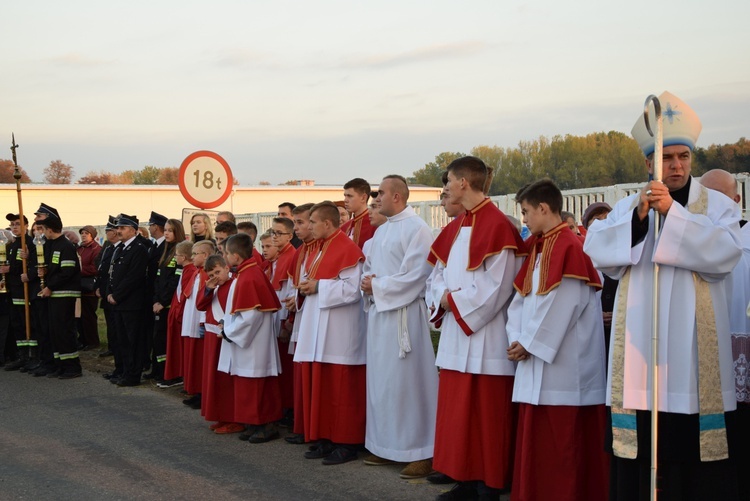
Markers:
point(417, 469)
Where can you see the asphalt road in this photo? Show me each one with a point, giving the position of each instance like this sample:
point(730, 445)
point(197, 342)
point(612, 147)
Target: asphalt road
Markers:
point(87, 439)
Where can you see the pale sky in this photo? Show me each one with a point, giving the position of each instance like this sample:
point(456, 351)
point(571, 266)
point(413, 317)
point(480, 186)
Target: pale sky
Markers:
point(332, 90)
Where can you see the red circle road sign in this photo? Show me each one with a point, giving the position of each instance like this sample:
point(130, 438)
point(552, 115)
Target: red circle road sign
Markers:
point(205, 179)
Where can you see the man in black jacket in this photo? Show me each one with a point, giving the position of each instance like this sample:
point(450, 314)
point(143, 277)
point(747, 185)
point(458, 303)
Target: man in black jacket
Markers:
point(127, 286)
point(62, 287)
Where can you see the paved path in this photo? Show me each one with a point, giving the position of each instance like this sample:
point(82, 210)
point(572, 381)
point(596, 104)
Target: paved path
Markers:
point(87, 439)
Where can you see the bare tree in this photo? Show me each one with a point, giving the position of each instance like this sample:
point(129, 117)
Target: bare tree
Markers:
point(58, 173)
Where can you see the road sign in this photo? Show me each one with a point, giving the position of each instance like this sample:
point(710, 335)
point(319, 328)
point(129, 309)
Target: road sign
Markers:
point(205, 179)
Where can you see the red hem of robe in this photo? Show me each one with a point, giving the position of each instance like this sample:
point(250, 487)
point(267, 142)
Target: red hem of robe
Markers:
point(560, 453)
point(334, 402)
point(217, 400)
point(192, 364)
point(476, 424)
point(286, 378)
point(257, 400)
point(299, 413)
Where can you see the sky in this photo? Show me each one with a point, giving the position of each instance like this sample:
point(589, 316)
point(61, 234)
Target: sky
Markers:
point(332, 90)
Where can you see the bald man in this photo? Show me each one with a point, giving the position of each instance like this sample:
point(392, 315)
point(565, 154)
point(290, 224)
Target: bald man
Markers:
point(401, 376)
point(738, 292)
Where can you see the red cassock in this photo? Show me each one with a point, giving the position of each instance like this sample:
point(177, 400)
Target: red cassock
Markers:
point(302, 257)
point(257, 400)
point(359, 229)
point(565, 445)
point(473, 443)
point(192, 347)
point(334, 396)
point(284, 264)
point(217, 401)
point(173, 366)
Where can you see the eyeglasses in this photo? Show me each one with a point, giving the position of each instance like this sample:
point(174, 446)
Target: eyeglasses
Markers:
point(279, 233)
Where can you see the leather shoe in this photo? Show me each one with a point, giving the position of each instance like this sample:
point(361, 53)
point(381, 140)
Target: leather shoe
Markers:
point(127, 382)
point(324, 449)
point(15, 365)
point(295, 439)
point(69, 375)
point(439, 478)
point(264, 434)
point(340, 455)
point(460, 491)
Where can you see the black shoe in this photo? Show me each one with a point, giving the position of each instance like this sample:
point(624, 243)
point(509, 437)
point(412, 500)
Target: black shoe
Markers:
point(15, 365)
point(150, 375)
point(56, 374)
point(340, 455)
point(249, 432)
point(439, 478)
point(127, 382)
point(322, 450)
point(42, 371)
point(193, 402)
point(70, 375)
point(111, 375)
point(264, 434)
point(460, 491)
point(295, 439)
point(106, 353)
point(485, 493)
point(169, 383)
point(31, 365)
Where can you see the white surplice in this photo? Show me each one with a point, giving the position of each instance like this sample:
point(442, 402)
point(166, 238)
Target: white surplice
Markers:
point(331, 322)
point(563, 332)
point(706, 244)
point(401, 392)
point(482, 301)
point(191, 317)
point(253, 350)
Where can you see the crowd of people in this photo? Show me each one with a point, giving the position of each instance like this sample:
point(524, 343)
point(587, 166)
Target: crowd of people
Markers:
point(541, 381)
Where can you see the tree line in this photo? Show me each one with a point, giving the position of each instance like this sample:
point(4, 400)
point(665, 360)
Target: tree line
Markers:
point(597, 159)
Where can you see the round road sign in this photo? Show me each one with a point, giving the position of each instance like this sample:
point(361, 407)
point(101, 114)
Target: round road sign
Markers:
point(205, 179)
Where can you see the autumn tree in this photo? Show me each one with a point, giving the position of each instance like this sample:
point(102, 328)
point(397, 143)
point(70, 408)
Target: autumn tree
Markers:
point(7, 169)
point(101, 177)
point(431, 174)
point(169, 175)
point(58, 173)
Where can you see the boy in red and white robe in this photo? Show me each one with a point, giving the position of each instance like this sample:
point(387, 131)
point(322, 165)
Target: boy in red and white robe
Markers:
point(476, 258)
point(300, 267)
point(557, 339)
point(249, 351)
point(173, 366)
point(331, 343)
point(192, 326)
point(217, 400)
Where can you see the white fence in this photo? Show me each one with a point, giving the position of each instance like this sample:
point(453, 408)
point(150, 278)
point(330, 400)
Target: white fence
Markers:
point(574, 201)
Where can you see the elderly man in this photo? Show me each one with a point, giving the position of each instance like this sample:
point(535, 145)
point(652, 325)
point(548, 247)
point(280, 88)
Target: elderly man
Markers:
point(401, 377)
point(127, 285)
point(698, 246)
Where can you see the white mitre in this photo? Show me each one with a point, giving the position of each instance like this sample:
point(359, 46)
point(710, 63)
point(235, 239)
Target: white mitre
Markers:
point(680, 123)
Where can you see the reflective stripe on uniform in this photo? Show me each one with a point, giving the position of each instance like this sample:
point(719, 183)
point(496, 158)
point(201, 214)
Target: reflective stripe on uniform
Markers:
point(65, 294)
point(67, 264)
point(68, 356)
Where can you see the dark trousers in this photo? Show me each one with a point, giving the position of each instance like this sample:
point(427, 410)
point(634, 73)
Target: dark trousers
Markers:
point(63, 334)
point(681, 474)
point(8, 350)
point(159, 357)
point(130, 341)
point(40, 316)
point(89, 327)
point(147, 324)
